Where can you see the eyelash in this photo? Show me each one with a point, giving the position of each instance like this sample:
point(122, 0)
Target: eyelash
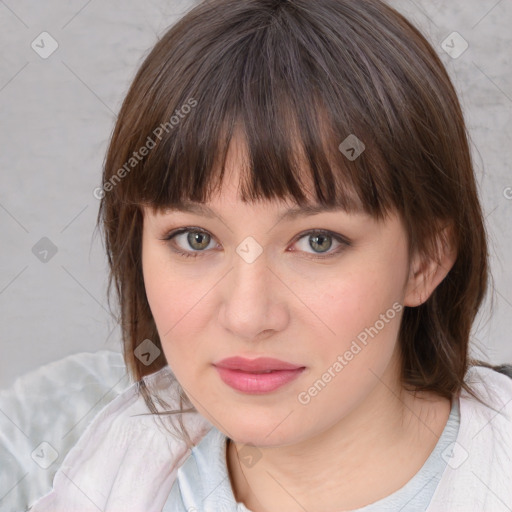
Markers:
point(194, 254)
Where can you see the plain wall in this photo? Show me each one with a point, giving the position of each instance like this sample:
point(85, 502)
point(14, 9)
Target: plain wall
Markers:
point(57, 114)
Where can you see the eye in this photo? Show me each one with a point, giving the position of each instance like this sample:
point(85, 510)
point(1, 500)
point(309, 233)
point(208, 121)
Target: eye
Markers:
point(195, 238)
point(319, 240)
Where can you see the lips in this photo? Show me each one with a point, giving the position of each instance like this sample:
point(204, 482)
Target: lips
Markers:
point(257, 376)
point(259, 365)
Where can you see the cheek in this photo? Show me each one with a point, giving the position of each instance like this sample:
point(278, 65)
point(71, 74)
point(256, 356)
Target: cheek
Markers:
point(170, 305)
point(177, 304)
point(358, 300)
point(363, 312)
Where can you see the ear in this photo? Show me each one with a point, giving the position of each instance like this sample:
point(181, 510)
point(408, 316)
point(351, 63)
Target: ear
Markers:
point(425, 273)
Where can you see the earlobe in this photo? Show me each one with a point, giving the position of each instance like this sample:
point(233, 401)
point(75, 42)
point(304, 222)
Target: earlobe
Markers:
point(427, 273)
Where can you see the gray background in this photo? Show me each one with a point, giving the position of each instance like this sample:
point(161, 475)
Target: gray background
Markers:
point(56, 118)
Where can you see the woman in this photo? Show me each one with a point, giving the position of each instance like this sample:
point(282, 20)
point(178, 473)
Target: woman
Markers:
point(296, 240)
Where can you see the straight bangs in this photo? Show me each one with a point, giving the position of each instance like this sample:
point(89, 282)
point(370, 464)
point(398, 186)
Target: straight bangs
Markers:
point(301, 132)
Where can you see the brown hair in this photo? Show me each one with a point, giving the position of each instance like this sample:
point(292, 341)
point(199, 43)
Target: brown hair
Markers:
point(297, 74)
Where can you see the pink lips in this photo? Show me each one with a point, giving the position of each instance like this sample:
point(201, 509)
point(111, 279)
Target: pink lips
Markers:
point(260, 375)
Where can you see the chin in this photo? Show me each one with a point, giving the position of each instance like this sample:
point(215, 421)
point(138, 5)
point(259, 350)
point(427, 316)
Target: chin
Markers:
point(259, 433)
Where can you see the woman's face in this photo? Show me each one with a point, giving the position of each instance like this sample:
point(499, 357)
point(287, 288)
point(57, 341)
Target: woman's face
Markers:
point(258, 285)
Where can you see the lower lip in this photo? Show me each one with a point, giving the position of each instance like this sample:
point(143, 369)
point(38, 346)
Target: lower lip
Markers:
point(257, 382)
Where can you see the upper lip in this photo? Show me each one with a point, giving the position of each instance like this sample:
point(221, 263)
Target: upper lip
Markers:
point(260, 364)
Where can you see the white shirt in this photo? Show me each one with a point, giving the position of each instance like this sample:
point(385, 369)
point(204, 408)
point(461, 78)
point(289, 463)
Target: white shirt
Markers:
point(203, 481)
point(127, 463)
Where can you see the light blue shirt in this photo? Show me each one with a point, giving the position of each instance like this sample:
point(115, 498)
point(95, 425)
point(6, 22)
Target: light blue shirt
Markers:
point(203, 484)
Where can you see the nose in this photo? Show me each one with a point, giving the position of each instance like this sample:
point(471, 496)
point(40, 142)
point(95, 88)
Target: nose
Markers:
point(254, 300)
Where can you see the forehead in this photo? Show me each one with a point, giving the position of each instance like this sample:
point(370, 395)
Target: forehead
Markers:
point(284, 213)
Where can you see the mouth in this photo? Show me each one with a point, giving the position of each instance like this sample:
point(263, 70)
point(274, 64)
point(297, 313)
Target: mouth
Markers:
point(258, 376)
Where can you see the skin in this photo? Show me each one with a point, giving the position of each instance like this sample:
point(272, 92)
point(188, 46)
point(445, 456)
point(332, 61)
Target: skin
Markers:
point(362, 437)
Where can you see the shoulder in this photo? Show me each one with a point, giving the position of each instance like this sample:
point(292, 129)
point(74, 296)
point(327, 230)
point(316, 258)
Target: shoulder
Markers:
point(124, 444)
point(45, 411)
point(495, 384)
point(486, 428)
point(505, 369)
point(479, 462)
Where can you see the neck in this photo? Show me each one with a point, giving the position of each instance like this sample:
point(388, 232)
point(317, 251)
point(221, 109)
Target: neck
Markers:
point(369, 454)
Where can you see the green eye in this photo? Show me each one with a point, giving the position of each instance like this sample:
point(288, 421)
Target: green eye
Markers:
point(197, 239)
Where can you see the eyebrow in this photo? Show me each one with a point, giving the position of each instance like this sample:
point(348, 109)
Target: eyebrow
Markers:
point(290, 214)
